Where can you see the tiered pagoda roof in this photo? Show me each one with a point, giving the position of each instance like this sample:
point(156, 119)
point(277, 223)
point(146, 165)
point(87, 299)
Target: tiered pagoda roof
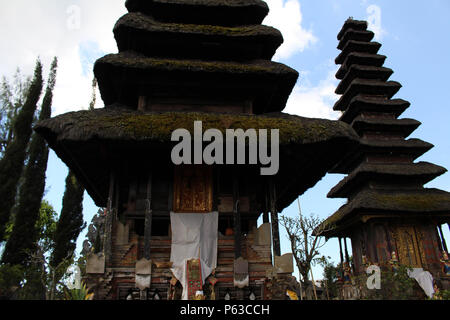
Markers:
point(186, 60)
point(214, 49)
point(383, 179)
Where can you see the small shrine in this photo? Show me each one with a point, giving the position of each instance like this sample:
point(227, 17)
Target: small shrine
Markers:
point(190, 231)
point(390, 217)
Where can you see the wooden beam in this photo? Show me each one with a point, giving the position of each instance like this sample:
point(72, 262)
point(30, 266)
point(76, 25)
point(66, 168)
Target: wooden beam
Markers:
point(388, 238)
point(266, 205)
point(274, 218)
point(347, 257)
point(371, 236)
point(236, 215)
point(444, 244)
point(438, 237)
point(342, 257)
point(148, 218)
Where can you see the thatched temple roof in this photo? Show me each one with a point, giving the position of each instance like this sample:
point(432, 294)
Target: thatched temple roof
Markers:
point(178, 59)
point(388, 204)
point(420, 173)
point(308, 147)
point(142, 33)
point(127, 125)
point(125, 76)
point(383, 180)
point(206, 12)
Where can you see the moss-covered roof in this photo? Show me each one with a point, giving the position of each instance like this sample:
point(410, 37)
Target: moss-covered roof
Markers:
point(413, 148)
point(308, 147)
point(363, 72)
point(122, 77)
point(357, 46)
point(360, 58)
point(350, 23)
point(141, 21)
point(393, 203)
point(403, 127)
point(355, 35)
point(123, 124)
point(367, 87)
point(398, 173)
point(142, 33)
point(361, 104)
point(213, 12)
point(135, 61)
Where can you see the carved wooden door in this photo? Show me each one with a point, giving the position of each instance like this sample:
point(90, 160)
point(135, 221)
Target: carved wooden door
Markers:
point(193, 189)
point(408, 246)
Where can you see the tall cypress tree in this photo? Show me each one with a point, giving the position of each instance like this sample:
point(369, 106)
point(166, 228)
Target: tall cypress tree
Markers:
point(12, 163)
point(12, 96)
point(23, 237)
point(70, 222)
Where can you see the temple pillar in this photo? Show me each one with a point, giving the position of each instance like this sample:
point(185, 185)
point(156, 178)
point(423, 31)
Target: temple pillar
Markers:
point(236, 216)
point(109, 220)
point(148, 218)
point(274, 218)
point(266, 216)
point(266, 206)
point(444, 244)
point(388, 238)
point(341, 256)
point(347, 257)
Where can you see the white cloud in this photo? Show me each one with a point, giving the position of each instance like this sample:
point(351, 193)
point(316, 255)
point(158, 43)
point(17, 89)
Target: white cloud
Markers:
point(287, 17)
point(374, 21)
point(315, 101)
point(48, 28)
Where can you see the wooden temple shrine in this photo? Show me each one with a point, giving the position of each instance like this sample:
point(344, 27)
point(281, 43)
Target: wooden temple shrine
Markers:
point(390, 217)
point(182, 61)
point(191, 231)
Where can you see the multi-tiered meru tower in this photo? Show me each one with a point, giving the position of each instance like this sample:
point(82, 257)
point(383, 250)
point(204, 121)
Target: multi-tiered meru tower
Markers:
point(388, 208)
point(182, 61)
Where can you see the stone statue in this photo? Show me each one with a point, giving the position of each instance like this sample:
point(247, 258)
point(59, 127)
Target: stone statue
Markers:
point(394, 261)
point(347, 273)
point(446, 263)
point(94, 241)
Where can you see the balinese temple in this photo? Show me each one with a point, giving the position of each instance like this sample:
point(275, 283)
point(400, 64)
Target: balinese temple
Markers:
point(191, 231)
point(390, 216)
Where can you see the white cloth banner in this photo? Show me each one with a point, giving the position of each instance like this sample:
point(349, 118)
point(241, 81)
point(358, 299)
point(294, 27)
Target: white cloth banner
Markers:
point(193, 236)
point(425, 280)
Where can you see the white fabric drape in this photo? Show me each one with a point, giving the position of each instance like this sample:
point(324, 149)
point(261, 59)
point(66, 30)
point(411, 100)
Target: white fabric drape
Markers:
point(424, 279)
point(193, 236)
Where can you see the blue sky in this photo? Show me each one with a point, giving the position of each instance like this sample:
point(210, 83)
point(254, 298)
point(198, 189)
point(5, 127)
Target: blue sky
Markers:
point(414, 35)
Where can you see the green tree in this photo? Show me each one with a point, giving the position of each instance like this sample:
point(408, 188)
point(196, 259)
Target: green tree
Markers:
point(32, 282)
point(10, 279)
point(11, 165)
point(37, 274)
point(70, 222)
point(331, 276)
point(12, 96)
point(24, 235)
